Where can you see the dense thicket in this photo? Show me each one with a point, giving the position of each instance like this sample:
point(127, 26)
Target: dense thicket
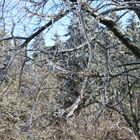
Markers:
point(86, 86)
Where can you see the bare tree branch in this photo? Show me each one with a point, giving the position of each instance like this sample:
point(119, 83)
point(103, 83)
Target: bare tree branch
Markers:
point(118, 32)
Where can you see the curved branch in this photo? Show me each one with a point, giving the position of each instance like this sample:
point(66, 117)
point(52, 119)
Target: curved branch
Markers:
point(134, 3)
point(13, 37)
point(119, 8)
point(60, 15)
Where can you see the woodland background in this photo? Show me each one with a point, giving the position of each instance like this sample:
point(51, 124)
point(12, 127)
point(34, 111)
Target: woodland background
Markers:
point(85, 85)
